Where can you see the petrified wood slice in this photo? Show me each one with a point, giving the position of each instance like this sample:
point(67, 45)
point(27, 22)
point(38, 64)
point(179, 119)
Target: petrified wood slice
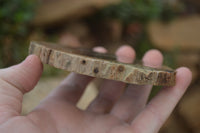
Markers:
point(94, 64)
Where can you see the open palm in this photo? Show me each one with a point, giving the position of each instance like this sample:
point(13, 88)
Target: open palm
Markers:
point(117, 108)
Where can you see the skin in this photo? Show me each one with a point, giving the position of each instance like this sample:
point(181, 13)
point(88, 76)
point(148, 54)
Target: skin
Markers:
point(115, 110)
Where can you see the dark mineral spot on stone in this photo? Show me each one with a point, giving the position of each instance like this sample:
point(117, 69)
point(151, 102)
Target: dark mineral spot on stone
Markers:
point(68, 64)
point(83, 62)
point(120, 68)
point(96, 70)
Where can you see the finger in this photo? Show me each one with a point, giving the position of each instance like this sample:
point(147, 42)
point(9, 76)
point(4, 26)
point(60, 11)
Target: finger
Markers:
point(100, 49)
point(111, 90)
point(135, 97)
point(126, 54)
point(14, 82)
point(72, 88)
point(160, 107)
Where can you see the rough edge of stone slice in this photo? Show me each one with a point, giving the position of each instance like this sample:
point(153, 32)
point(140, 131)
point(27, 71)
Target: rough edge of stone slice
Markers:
point(57, 56)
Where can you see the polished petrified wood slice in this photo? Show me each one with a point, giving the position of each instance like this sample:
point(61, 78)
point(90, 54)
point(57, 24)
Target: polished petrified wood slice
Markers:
point(94, 64)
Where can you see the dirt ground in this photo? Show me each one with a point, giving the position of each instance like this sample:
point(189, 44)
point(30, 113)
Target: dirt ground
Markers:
point(45, 86)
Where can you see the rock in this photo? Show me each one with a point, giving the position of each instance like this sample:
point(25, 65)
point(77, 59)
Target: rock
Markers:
point(51, 11)
point(189, 108)
point(182, 34)
point(99, 65)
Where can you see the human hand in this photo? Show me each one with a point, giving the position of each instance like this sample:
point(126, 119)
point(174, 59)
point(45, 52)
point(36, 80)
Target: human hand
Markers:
point(115, 109)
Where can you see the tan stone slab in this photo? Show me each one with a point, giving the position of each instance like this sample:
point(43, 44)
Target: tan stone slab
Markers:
point(105, 66)
point(180, 34)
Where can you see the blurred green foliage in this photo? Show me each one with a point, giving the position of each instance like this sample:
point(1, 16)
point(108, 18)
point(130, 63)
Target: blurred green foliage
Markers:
point(15, 17)
point(142, 10)
point(134, 10)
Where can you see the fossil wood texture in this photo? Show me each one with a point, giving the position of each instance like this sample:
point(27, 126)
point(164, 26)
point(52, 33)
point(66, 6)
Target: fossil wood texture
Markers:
point(105, 66)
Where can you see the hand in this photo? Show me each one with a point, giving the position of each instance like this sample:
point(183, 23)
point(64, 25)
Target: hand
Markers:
point(115, 110)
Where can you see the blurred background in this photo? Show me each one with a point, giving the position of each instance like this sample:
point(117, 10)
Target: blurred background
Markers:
point(172, 26)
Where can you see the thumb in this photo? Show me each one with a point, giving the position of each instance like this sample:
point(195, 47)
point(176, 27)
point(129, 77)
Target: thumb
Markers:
point(14, 82)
